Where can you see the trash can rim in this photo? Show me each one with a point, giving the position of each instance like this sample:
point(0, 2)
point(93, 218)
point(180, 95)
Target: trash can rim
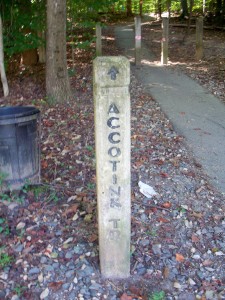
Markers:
point(8, 112)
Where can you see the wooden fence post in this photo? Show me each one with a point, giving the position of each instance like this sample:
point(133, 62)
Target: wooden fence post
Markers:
point(164, 43)
point(137, 22)
point(98, 40)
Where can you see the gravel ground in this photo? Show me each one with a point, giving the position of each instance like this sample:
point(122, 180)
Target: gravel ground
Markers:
point(178, 236)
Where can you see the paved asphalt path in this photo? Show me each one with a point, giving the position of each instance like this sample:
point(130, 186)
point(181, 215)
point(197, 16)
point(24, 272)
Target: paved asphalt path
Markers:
point(194, 112)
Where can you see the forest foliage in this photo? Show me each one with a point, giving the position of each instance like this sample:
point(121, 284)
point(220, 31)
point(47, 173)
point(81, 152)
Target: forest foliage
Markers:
point(24, 20)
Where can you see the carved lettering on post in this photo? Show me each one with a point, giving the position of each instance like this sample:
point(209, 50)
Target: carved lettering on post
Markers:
point(112, 139)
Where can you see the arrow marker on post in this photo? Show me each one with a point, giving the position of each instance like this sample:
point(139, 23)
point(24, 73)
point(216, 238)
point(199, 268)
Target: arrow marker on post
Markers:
point(113, 73)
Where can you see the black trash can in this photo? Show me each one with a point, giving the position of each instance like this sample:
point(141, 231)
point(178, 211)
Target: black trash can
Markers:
point(19, 146)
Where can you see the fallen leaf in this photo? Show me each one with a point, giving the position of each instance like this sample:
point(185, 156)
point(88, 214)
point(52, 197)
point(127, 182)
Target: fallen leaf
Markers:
point(72, 198)
point(164, 175)
point(90, 208)
point(125, 297)
point(55, 285)
point(88, 218)
point(166, 272)
point(177, 285)
point(92, 238)
point(54, 255)
point(20, 225)
point(167, 204)
point(71, 210)
point(162, 220)
point(48, 250)
point(194, 238)
point(135, 291)
point(48, 123)
point(197, 215)
point(44, 164)
point(179, 257)
point(75, 217)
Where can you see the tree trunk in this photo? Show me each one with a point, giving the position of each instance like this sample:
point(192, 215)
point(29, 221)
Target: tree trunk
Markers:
point(28, 57)
point(160, 8)
point(219, 14)
point(129, 8)
point(57, 79)
point(2, 67)
point(168, 4)
point(184, 8)
point(41, 49)
point(141, 7)
point(190, 16)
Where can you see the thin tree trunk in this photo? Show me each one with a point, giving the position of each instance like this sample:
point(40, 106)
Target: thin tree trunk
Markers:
point(184, 7)
point(190, 16)
point(2, 67)
point(28, 57)
point(129, 8)
point(41, 49)
point(168, 3)
point(141, 7)
point(160, 8)
point(57, 79)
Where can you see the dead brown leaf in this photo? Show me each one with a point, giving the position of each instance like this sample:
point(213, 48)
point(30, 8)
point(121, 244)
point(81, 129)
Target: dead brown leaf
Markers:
point(135, 290)
point(163, 220)
point(167, 204)
point(180, 257)
point(197, 215)
point(166, 272)
point(194, 238)
point(71, 210)
point(125, 297)
point(55, 286)
point(92, 238)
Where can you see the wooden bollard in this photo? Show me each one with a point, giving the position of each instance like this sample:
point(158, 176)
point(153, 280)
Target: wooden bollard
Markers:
point(112, 140)
point(164, 43)
point(137, 22)
point(199, 38)
point(98, 40)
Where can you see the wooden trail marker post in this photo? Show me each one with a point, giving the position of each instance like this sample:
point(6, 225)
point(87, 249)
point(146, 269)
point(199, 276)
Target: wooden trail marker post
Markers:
point(137, 22)
point(199, 38)
point(112, 139)
point(164, 43)
point(98, 40)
